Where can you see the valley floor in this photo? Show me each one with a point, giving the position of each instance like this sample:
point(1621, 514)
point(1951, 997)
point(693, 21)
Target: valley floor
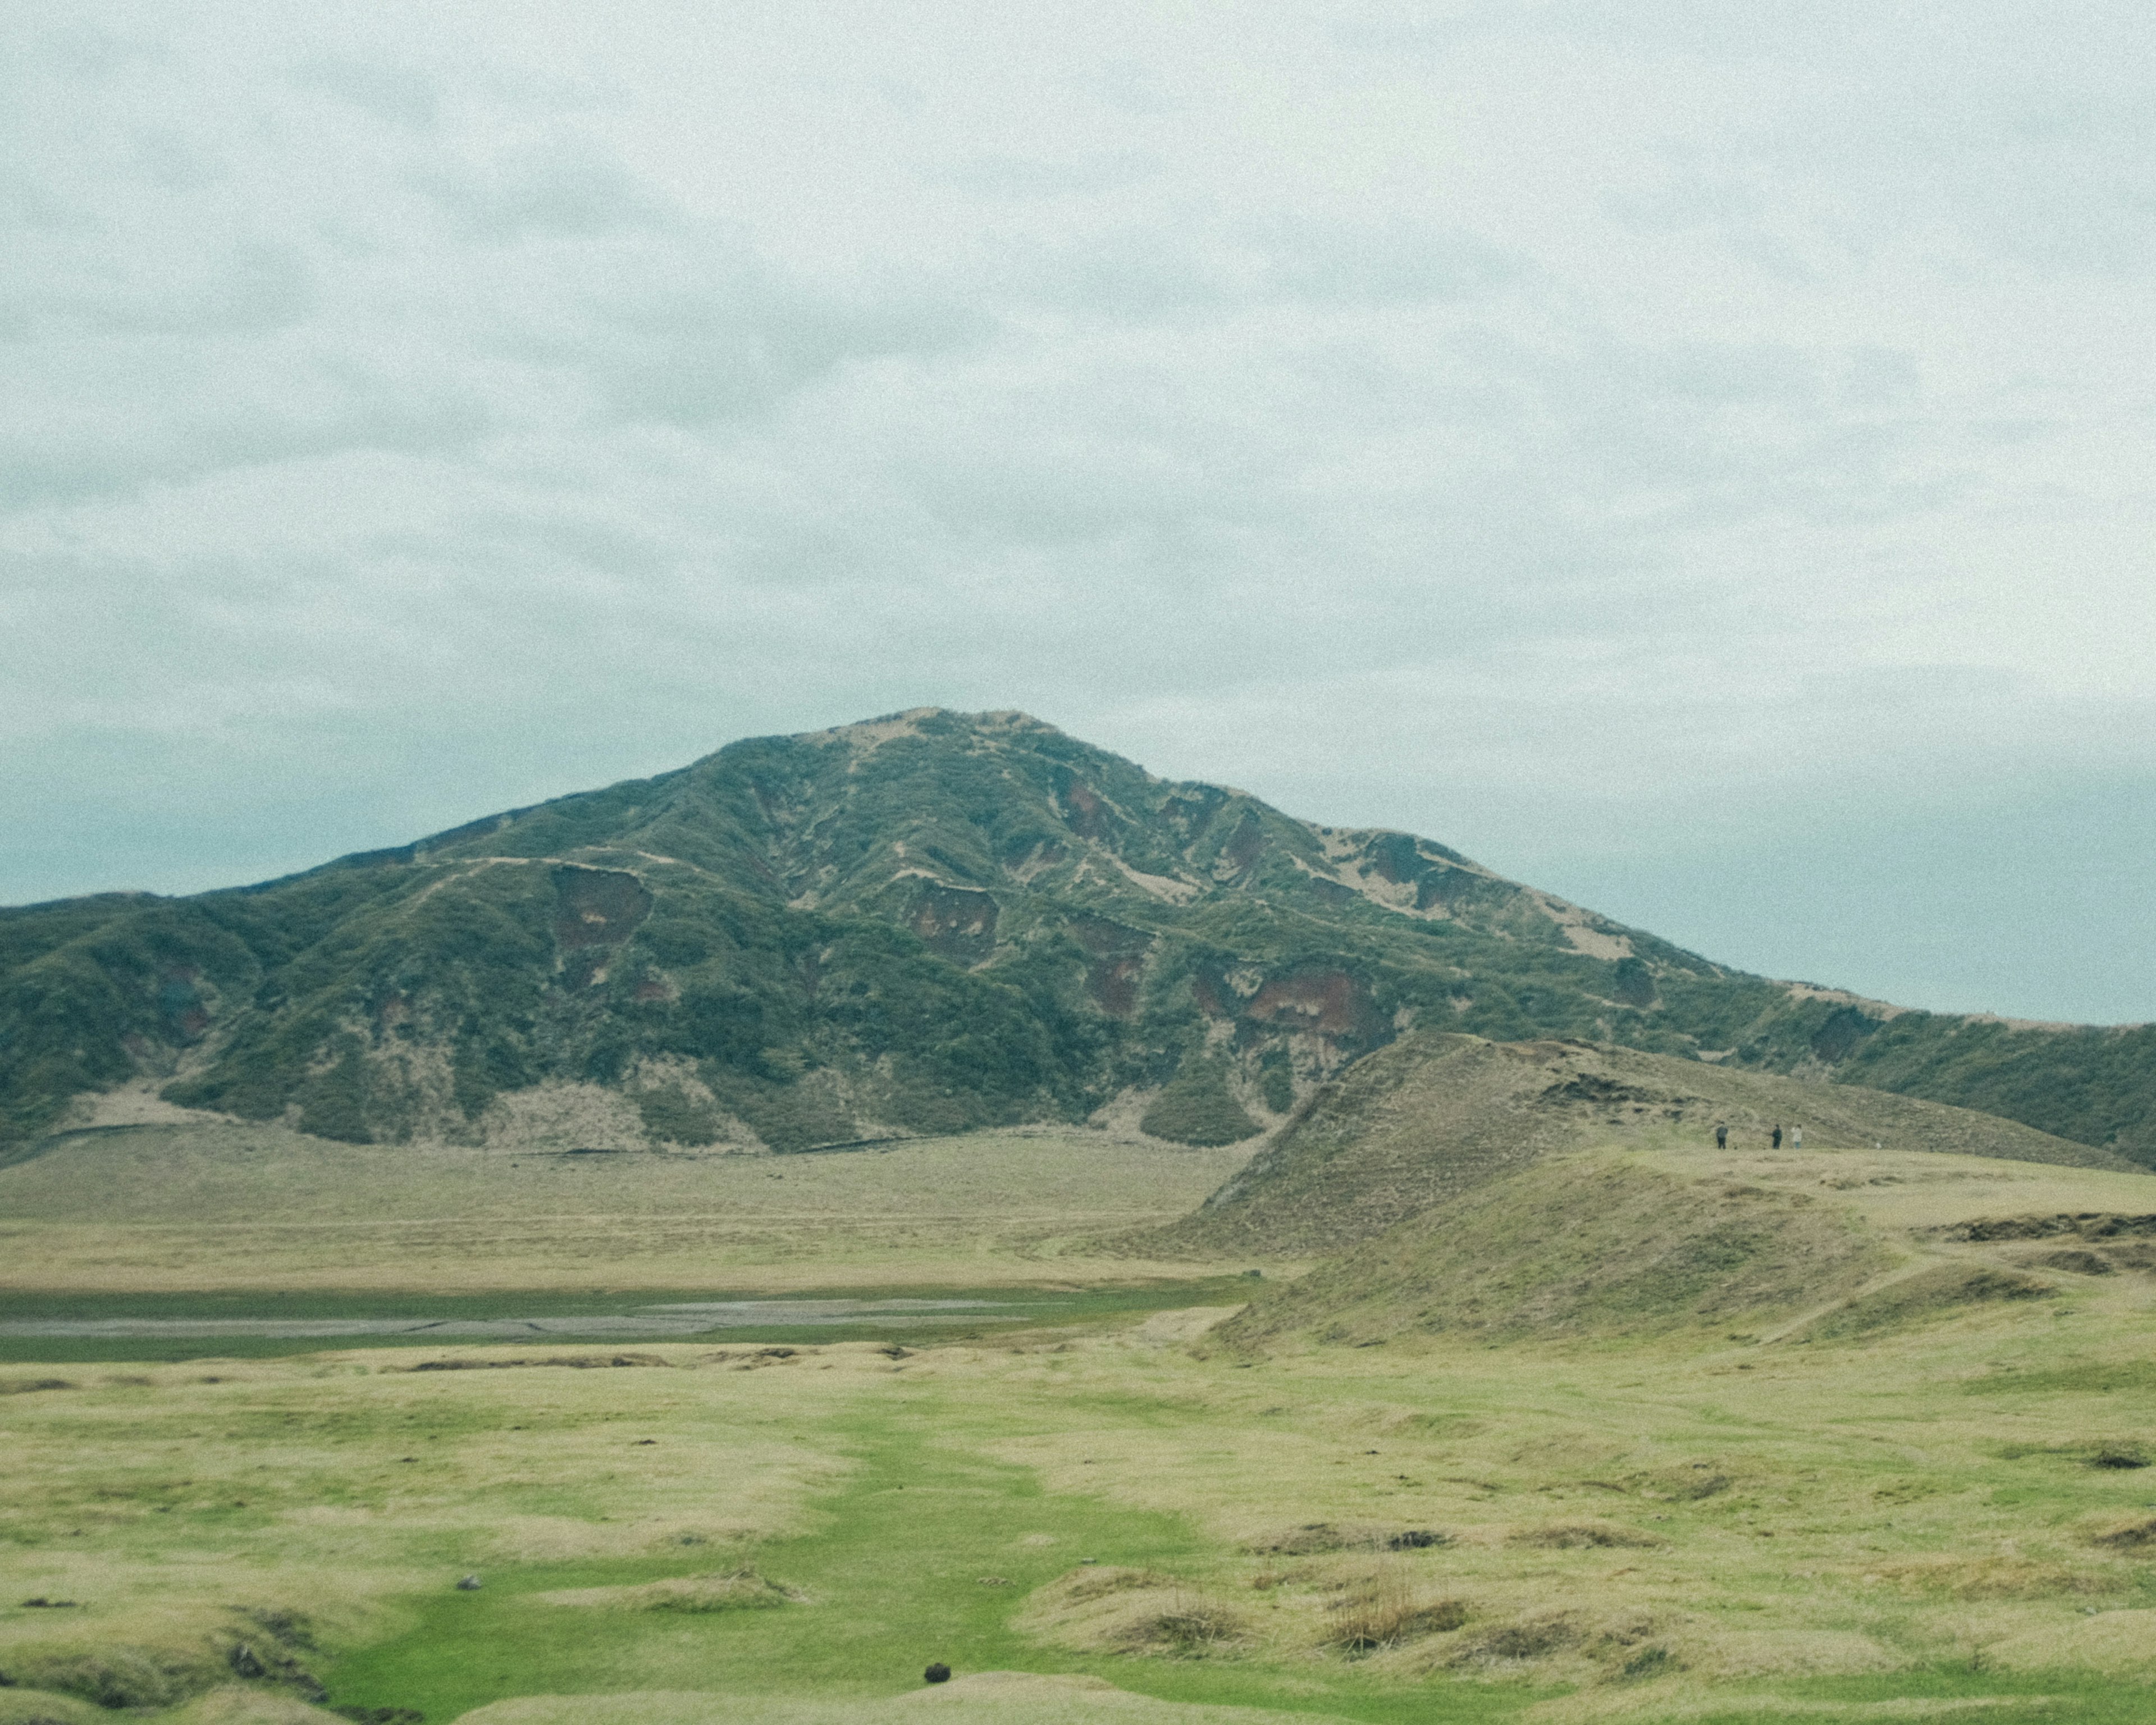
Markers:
point(1949, 1517)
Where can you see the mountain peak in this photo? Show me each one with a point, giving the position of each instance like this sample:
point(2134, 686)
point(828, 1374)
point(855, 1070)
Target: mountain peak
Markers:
point(925, 721)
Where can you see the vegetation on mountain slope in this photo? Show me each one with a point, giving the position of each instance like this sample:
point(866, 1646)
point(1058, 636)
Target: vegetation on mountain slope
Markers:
point(926, 923)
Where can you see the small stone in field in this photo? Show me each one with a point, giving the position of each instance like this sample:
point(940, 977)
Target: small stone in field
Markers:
point(470, 1585)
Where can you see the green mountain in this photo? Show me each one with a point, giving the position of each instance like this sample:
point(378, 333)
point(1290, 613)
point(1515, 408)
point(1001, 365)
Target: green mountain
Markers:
point(927, 922)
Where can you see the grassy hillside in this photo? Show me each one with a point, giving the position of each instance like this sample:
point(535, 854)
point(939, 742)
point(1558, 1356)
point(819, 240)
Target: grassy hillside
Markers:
point(1437, 1114)
point(928, 923)
point(1667, 1235)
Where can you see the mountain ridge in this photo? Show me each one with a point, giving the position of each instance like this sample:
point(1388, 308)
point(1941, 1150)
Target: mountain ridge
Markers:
point(925, 921)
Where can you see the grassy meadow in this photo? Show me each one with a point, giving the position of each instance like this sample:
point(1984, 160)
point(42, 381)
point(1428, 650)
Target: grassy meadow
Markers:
point(175, 1210)
point(1134, 1514)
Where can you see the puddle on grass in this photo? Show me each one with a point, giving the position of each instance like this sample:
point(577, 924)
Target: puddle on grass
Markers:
point(653, 1322)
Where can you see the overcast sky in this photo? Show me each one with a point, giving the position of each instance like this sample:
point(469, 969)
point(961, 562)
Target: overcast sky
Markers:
point(1694, 457)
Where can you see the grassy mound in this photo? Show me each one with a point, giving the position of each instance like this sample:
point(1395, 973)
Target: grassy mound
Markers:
point(1598, 1244)
point(1133, 1611)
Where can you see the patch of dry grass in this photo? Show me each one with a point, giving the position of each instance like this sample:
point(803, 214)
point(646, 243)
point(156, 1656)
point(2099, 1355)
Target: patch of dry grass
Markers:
point(183, 1208)
point(1572, 1536)
point(1133, 1611)
point(1388, 1608)
point(741, 1589)
point(1993, 1578)
point(283, 1507)
point(2129, 1533)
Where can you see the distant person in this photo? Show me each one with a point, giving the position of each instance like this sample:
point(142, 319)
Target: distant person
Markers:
point(1722, 1137)
point(1796, 1138)
point(1776, 1137)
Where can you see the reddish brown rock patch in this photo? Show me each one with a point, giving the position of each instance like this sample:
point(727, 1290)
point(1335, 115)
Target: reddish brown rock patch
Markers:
point(1113, 983)
point(1084, 810)
point(955, 922)
point(1329, 1003)
point(595, 910)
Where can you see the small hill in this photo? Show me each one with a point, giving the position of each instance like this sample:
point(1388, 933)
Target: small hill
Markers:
point(1580, 1245)
point(924, 924)
point(1438, 1114)
point(1819, 1244)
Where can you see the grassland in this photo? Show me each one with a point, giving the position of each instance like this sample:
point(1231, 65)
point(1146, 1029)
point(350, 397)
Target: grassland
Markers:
point(1629, 1533)
point(1942, 1512)
point(172, 1210)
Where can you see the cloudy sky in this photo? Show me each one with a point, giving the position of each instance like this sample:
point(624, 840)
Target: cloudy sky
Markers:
point(1694, 457)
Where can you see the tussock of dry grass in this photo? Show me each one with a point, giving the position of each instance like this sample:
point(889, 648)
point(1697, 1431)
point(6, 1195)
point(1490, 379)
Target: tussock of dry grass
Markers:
point(1096, 1582)
point(1388, 1609)
point(2135, 1533)
point(1572, 1536)
point(2121, 1643)
point(1688, 1484)
point(1190, 1627)
point(742, 1589)
point(1314, 1536)
point(1534, 1635)
point(1995, 1577)
point(1133, 1611)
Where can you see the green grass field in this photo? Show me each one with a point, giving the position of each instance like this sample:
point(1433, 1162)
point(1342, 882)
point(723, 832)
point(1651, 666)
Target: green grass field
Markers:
point(1942, 1514)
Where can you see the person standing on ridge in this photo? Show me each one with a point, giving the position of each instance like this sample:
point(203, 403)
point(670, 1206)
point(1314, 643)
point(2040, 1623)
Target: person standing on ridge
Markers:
point(1776, 1137)
point(1722, 1137)
point(1796, 1138)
